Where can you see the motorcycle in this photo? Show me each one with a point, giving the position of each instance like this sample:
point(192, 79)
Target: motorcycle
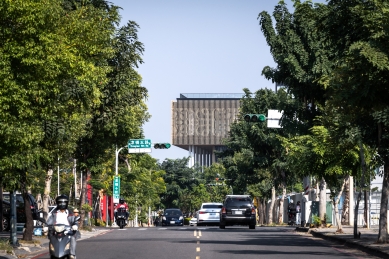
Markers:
point(121, 217)
point(60, 236)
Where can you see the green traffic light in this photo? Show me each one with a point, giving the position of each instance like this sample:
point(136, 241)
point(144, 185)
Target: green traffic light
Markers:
point(162, 145)
point(261, 117)
point(254, 118)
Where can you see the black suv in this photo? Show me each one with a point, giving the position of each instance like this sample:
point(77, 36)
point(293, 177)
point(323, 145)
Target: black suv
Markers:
point(20, 215)
point(237, 210)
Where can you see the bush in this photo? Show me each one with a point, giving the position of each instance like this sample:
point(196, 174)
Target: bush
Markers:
point(186, 221)
point(99, 223)
point(316, 220)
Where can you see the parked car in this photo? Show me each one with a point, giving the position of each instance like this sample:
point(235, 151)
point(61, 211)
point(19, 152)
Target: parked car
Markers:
point(193, 221)
point(237, 210)
point(209, 213)
point(20, 212)
point(172, 217)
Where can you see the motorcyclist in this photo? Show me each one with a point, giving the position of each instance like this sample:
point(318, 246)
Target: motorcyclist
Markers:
point(122, 205)
point(61, 215)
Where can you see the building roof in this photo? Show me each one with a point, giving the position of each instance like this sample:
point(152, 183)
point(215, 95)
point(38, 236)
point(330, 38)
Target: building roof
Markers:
point(211, 96)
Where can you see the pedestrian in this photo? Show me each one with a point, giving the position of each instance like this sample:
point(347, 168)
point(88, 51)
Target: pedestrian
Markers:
point(298, 213)
point(76, 214)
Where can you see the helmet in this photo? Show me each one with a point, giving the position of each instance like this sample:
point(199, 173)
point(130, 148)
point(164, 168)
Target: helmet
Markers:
point(62, 202)
point(291, 201)
point(121, 201)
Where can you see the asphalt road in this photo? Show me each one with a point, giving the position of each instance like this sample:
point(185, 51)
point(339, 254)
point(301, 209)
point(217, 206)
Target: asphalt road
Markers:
point(210, 242)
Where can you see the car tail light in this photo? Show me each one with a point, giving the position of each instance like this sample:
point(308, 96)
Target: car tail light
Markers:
point(253, 211)
point(223, 210)
point(202, 212)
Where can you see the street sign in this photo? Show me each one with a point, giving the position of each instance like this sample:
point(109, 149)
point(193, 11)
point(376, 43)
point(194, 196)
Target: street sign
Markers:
point(139, 146)
point(273, 118)
point(116, 189)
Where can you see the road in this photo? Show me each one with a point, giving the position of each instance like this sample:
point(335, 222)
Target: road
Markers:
point(209, 242)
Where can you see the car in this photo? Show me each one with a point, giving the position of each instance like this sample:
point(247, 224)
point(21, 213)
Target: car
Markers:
point(193, 221)
point(237, 210)
point(209, 213)
point(172, 217)
point(20, 212)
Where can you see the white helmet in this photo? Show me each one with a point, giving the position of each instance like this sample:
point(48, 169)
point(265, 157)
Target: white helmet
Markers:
point(291, 201)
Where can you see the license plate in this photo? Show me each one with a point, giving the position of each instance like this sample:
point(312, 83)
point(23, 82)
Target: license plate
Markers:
point(172, 222)
point(238, 212)
point(212, 214)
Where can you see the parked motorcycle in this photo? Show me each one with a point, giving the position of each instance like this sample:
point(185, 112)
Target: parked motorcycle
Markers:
point(121, 217)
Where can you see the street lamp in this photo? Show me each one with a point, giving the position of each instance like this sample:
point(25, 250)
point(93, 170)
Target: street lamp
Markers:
point(117, 151)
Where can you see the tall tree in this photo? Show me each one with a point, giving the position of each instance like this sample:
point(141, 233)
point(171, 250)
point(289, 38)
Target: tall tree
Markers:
point(359, 33)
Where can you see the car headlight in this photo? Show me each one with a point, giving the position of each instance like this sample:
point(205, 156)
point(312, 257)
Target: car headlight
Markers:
point(164, 218)
point(181, 218)
point(59, 229)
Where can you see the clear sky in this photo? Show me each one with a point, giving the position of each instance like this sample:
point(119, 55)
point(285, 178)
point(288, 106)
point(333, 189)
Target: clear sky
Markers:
point(196, 46)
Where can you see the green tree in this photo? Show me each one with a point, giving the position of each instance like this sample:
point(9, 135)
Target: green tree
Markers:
point(52, 66)
point(359, 82)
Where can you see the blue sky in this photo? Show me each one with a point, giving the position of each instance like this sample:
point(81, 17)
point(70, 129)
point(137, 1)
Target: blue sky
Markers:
point(196, 46)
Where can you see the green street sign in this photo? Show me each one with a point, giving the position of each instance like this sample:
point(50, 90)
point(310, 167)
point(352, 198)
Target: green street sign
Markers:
point(139, 146)
point(116, 189)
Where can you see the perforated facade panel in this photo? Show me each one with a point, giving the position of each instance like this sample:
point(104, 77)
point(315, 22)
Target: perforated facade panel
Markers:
point(202, 122)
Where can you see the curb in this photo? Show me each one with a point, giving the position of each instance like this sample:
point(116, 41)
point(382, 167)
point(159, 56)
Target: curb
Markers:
point(43, 248)
point(349, 243)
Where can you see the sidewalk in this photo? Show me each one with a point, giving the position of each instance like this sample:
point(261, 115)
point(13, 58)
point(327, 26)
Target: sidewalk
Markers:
point(31, 250)
point(367, 241)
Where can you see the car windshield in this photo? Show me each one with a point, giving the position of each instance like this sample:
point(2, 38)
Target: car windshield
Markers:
point(239, 202)
point(173, 213)
point(212, 206)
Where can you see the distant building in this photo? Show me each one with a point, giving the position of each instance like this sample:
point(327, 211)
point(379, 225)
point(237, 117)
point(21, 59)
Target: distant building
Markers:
point(201, 121)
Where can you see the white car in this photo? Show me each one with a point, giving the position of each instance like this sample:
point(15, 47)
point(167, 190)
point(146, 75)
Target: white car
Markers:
point(193, 221)
point(209, 213)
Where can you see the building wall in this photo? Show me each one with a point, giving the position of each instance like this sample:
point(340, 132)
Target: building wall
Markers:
point(202, 122)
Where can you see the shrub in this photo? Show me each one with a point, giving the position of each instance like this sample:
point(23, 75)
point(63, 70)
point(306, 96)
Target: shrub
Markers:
point(186, 221)
point(316, 220)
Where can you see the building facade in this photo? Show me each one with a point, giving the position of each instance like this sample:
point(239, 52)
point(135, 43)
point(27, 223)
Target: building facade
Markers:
point(201, 121)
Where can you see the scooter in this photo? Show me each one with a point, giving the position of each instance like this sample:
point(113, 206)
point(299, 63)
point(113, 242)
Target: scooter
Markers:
point(121, 216)
point(60, 236)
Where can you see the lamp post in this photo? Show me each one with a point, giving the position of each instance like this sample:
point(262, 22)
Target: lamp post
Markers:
point(117, 151)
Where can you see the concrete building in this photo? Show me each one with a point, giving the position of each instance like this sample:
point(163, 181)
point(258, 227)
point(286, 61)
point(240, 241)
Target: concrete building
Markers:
point(201, 121)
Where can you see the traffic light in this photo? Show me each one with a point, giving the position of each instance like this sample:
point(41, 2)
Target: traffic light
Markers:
point(162, 145)
point(254, 118)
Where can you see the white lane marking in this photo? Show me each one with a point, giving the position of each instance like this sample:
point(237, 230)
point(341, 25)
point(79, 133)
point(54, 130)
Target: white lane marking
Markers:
point(197, 249)
point(142, 228)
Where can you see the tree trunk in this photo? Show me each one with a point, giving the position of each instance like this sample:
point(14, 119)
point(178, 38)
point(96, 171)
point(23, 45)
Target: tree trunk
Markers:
point(1, 205)
point(382, 230)
point(46, 193)
point(362, 183)
point(336, 202)
point(29, 227)
point(322, 201)
point(273, 199)
point(365, 209)
point(83, 196)
point(317, 198)
point(345, 209)
point(281, 212)
point(263, 212)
